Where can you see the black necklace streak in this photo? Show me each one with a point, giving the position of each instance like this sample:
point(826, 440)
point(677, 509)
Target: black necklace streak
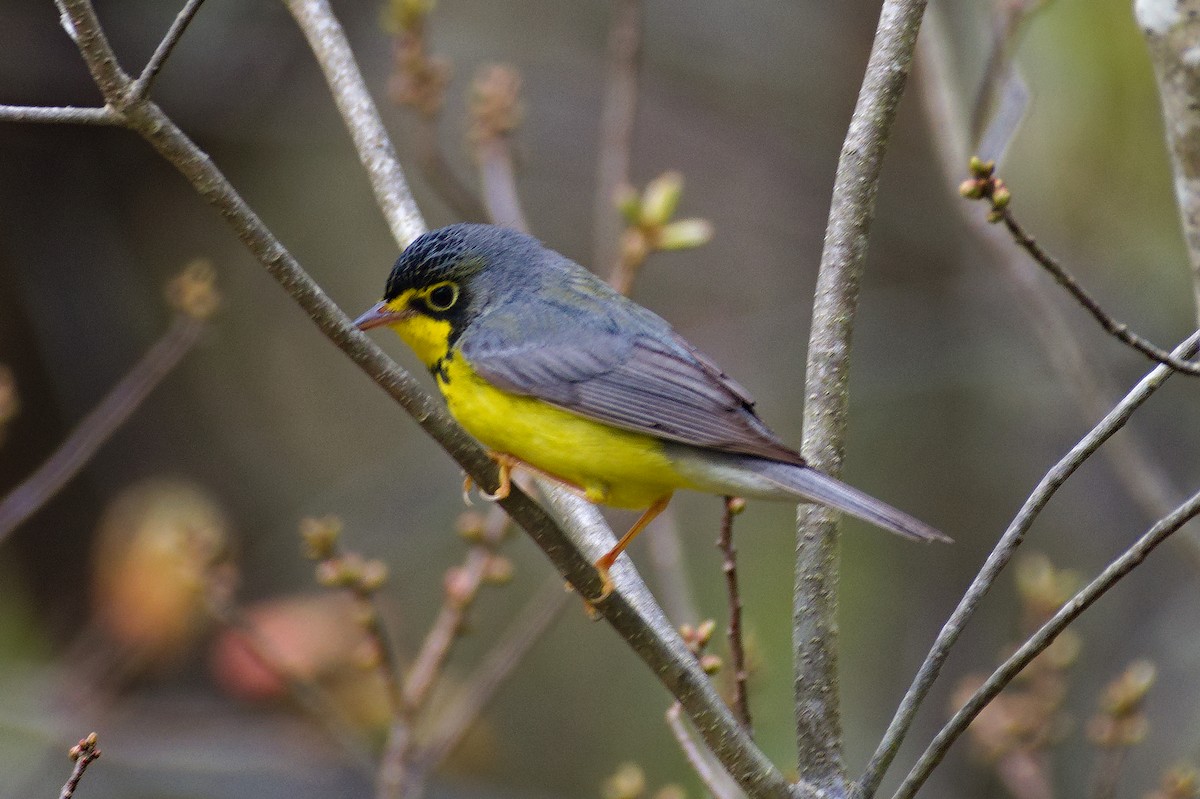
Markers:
point(438, 369)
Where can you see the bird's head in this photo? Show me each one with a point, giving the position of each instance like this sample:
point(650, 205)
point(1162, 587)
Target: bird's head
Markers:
point(444, 279)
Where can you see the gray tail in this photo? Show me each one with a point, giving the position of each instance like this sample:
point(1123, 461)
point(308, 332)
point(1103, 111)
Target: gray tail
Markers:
point(822, 489)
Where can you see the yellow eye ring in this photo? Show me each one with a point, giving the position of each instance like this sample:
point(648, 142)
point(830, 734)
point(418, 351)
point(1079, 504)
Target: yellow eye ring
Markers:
point(441, 296)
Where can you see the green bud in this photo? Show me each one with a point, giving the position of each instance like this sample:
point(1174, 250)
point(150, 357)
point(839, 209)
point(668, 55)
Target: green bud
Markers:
point(684, 234)
point(661, 198)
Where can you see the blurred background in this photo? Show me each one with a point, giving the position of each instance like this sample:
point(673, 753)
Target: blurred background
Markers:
point(958, 406)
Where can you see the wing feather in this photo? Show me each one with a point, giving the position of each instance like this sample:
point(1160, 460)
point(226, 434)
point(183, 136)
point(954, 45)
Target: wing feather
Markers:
point(630, 370)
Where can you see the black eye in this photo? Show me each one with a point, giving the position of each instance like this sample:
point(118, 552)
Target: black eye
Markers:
point(442, 297)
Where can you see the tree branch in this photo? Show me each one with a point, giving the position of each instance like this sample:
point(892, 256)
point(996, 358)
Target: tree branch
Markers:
point(1038, 642)
point(814, 636)
point(1119, 330)
point(737, 648)
point(58, 116)
point(141, 86)
point(1142, 475)
point(985, 185)
point(82, 754)
point(1004, 550)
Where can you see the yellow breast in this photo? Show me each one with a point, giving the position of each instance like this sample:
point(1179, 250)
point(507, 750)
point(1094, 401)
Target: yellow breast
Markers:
point(612, 466)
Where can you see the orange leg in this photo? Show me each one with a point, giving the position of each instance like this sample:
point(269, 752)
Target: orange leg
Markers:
point(605, 562)
point(505, 464)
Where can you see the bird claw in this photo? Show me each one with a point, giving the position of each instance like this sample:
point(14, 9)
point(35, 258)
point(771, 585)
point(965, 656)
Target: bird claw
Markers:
point(505, 465)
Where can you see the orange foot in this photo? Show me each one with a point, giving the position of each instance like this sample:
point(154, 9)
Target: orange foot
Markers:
point(505, 463)
point(603, 565)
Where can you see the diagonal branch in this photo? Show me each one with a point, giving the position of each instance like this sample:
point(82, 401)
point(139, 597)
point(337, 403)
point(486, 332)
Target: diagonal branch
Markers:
point(1004, 550)
point(1118, 330)
point(99, 425)
point(1045, 635)
point(141, 86)
point(814, 635)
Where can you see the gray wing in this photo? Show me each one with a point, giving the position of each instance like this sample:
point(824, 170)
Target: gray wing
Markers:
point(627, 368)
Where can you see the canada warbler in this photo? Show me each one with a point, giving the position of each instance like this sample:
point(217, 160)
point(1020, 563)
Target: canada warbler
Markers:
point(553, 370)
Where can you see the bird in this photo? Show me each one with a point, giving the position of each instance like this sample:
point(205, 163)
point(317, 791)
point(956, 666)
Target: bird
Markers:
point(554, 371)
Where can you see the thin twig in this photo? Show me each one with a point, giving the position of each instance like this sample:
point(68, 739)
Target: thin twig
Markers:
point(631, 609)
point(1046, 634)
point(616, 131)
point(83, 754)
point(496, 667)
point(1001, 554)
point(99, 425)
point(1142, 475)
point(141, 87)
point(715, 780)
point(1119, 330)
point(814, 634)
point(737, 649)
point(65, 115)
